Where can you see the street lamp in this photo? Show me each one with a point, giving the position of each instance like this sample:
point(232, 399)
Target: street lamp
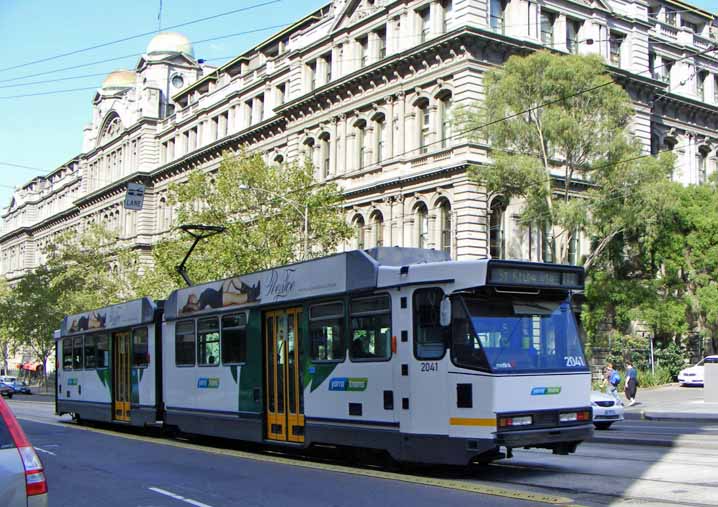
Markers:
point(294, 204)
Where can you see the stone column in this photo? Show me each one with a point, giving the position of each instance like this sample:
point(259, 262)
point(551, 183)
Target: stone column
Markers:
point(389, 130)
point(401, 148)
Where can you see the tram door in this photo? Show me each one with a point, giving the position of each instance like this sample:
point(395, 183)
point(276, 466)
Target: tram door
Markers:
point(285, 400)
point(121, 388)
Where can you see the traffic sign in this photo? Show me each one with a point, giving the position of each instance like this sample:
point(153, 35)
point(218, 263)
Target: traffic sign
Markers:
point(135, 196)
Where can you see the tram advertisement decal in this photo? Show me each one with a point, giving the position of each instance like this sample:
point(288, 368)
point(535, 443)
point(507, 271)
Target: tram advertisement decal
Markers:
point(110, 317)
point(348, 384)
point(323, 276)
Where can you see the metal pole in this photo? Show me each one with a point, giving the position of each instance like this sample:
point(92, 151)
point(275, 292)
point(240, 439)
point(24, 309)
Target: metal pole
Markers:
point(306, 229)
point(653, 364)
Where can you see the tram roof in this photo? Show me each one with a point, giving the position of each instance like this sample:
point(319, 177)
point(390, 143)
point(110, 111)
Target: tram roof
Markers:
point(335, 274)
point(129, 313)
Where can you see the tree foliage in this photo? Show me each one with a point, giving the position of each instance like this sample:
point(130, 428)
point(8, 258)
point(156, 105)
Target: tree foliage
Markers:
point(554, 122)
point(263, 209)
point(84, 271)
point(661, 271)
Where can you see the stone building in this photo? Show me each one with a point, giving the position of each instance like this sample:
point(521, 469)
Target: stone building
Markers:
point(366, 89)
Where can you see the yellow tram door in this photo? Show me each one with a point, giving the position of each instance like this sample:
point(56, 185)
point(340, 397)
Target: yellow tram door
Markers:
point(121, 387)
point(283, 381)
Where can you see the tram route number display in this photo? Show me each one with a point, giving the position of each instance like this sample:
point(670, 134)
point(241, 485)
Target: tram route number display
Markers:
point(429, 367)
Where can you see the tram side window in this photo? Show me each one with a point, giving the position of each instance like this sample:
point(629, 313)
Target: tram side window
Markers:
point(184, 343)
point(67, 354)
point(430, 337)
point(140, 348)
point(102, 351)
point(208, 341)
point(234, 338)
point(90, 348)
point(370, 328)
point(77, 353)
point(326, 329)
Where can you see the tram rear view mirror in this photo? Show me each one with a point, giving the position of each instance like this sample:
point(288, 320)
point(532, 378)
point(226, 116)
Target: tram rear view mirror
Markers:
point(445, 312)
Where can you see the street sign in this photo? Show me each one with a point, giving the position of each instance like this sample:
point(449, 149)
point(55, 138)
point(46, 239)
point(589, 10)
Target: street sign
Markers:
point(135, 196)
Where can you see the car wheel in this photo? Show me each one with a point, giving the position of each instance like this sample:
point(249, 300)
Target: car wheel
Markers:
point(602, 425)
point(9, 396)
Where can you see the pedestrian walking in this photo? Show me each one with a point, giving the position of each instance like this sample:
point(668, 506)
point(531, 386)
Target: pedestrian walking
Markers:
point(611, 380)
point(631, 385)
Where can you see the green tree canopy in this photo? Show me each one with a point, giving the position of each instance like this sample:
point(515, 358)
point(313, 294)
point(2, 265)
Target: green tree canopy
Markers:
point(556, 124)
point(84, 270)
point(263, 209)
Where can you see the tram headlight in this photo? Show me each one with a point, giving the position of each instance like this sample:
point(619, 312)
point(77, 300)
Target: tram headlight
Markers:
point(510, 422)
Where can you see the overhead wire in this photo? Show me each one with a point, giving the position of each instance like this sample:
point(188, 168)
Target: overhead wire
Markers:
point(137, 36)
point(539, 106)
point(134, 55)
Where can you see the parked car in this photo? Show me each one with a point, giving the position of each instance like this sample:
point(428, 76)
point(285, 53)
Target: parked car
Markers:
point(5, 379)
point(6, 391)
point(22, 482)
point(693, 375)
point(606, 410)
point(18, 387)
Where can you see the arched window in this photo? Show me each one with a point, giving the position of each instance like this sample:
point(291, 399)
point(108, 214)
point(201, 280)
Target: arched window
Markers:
point(324, 154)
point(423, 121)
point(379, 131)
point(378, 228)
point(421, 221)
point(496, 228)
point(574, 248)
point(548, 244)
point(445, 224)
point(445, 119)
point(308, 150)
point(163, 215)
point(702, 163)
point(279, 159)
point(359, 229)
point(361, 143)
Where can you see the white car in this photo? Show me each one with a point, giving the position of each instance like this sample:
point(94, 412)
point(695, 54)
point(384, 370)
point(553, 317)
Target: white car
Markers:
point(693, 375)
point(606, 410)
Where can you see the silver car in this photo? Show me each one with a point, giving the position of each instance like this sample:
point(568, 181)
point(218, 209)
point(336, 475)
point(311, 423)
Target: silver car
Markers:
point(22, 475)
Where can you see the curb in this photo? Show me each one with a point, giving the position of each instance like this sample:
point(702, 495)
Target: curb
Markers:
point(647, 442)
point(680, 416)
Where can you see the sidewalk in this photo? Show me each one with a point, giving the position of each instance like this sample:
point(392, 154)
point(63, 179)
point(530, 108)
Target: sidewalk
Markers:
point(672, 403)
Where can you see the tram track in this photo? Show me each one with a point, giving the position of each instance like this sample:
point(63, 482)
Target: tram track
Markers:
point(448, 479)
point(533, 477)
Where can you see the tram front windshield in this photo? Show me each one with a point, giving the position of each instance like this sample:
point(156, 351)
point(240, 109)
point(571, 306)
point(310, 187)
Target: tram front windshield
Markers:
point(518, 335)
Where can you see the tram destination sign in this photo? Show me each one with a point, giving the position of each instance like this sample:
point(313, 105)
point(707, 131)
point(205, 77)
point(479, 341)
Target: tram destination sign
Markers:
point(532, 276)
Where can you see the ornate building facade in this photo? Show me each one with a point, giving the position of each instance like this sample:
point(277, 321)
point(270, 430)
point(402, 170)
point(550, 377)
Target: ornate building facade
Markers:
point(366, 89)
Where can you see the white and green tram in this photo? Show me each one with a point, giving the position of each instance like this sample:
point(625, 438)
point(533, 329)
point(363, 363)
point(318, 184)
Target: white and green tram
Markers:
point(391, 349)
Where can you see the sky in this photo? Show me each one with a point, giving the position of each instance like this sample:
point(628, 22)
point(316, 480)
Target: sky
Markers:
point(43, 129)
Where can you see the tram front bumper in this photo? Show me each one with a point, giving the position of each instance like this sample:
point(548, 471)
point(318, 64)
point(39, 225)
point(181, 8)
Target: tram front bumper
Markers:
point(551, 438)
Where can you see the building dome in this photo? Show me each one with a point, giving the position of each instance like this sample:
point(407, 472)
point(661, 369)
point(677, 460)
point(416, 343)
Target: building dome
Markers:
point(167, 43)
point(120, 79)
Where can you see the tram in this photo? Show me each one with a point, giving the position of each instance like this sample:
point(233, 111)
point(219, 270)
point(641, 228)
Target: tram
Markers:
point(390, 349)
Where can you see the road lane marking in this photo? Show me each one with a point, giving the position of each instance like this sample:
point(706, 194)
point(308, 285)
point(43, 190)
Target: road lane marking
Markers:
point(46, 452)
point(456, 485)
point(179, 497)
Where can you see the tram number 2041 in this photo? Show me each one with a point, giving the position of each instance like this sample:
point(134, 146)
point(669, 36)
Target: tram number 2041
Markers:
point(430, 367)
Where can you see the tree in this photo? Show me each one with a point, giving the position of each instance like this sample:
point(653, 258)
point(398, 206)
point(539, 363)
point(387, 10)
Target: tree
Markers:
point(263, 209)
point(553, 123)
point(91, 269)
point(34, 313)
point(84, 271)
point(5, 334)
